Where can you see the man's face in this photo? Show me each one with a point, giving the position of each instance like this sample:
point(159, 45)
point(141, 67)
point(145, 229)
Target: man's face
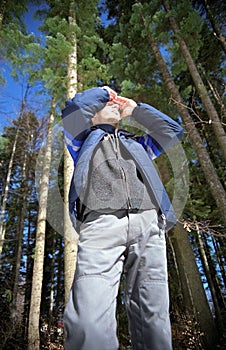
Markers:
point(110, 114)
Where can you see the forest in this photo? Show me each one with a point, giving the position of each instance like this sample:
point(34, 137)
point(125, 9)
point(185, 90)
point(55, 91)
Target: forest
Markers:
point(167, 53)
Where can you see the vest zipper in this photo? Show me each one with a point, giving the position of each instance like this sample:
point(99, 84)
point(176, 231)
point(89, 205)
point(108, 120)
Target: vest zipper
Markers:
point(122, 172)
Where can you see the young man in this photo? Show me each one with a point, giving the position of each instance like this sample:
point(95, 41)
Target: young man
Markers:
point(121, 211)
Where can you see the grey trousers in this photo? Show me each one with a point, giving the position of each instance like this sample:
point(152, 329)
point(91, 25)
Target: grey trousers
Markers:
point(107, 244)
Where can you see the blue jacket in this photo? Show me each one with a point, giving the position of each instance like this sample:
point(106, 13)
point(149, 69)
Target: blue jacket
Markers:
point(82, 139)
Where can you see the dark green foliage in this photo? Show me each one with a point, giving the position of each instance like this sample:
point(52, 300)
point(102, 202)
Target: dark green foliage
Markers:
point(12, 11)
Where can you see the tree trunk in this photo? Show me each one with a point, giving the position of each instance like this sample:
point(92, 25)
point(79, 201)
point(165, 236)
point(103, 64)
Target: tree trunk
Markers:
point(184, 284)
point(34, 315)
point(190, 277)
point(216, 187)
point(209, 107)
point(59, 273)
point(213, 268)
point(217, 31)
point(20, 229)
point(52, 279)
point(217, 97)
point(220, 258)
point(6, 191)
point(29, 269)
point(70, 236)
point(210, 278)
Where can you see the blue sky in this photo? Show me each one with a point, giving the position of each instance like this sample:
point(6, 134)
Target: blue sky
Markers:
point(12, 92)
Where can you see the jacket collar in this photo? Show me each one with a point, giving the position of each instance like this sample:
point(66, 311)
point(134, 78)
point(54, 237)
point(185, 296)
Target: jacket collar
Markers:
point(110, 129)
point(106, 127)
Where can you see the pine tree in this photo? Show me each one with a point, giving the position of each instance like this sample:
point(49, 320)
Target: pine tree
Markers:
point(201, 89)
point(215, 13)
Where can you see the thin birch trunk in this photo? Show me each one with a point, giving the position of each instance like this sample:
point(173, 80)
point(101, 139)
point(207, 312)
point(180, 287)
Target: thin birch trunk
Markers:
point(52, 274)
point(207, 103)
point(29, 269)
point(6, 191)
point(10, 166)
point(215, 185)
point(36, 292)
point(70, 248)
point(59, 273)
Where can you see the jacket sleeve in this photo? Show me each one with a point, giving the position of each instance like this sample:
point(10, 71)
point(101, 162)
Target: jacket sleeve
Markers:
point(163, 131)
point(77, 116)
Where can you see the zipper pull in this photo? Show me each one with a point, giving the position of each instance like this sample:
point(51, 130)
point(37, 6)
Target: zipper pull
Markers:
point(106, 137)
point(163, 220)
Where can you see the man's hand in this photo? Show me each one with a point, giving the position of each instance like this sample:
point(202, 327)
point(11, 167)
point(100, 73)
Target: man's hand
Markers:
point(112, 93)
point(126, 105)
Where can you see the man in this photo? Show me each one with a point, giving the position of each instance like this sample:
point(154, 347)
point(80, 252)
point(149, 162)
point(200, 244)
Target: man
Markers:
point(121, 211)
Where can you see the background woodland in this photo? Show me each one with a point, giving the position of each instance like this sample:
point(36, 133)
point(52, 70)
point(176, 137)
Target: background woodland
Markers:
point(168, 53)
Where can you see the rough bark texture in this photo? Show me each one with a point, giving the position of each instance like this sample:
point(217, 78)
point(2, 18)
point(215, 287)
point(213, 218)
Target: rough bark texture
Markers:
point(207, 103)
point(216, 187)
point(196, 296)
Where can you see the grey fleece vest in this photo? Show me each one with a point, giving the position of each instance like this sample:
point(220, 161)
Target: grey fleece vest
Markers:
point(114, 181)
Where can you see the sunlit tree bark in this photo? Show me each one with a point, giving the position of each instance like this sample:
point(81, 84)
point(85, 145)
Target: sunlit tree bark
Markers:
point(36, 292)
point(70, 237)
point(6, 192)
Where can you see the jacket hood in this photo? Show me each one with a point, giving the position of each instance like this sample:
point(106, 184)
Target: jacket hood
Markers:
point(88, 102)
point(79, 111)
